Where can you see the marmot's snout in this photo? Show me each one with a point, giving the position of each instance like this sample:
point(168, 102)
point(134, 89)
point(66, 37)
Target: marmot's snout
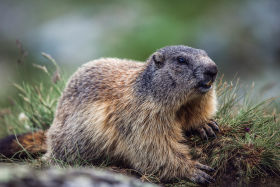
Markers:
point(209, 76)
point(210, 72)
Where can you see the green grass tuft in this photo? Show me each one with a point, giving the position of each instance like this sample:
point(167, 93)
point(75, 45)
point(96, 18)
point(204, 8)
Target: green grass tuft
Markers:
point(35, 105)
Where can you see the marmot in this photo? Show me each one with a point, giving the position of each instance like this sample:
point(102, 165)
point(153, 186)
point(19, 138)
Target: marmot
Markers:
point(136, 112)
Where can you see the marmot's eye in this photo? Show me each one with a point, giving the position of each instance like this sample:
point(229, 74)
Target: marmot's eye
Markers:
point(181, 59)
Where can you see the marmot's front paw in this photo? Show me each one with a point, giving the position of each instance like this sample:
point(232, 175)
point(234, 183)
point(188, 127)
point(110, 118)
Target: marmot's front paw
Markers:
point(208, 129)
point(199, 176)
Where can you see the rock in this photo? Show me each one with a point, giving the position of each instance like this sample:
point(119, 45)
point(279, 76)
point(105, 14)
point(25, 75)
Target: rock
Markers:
point(22, 176)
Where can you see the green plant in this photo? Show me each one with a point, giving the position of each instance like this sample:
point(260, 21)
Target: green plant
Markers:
point(35, 105)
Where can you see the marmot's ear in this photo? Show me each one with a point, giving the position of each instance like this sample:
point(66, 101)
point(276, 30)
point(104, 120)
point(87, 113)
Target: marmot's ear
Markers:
point(158, 58)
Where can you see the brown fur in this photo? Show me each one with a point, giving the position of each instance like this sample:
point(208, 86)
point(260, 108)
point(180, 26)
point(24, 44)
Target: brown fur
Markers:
point(100, 115)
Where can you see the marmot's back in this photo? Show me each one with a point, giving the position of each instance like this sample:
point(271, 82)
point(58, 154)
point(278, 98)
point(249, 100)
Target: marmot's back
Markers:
point(102, 79)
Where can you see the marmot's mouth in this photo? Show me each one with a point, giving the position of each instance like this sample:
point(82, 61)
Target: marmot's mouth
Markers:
point(204, 87)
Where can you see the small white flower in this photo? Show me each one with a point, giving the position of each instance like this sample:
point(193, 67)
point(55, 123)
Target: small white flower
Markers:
point(22, 117)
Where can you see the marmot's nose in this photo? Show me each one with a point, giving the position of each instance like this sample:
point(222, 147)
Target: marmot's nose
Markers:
point(211, 70)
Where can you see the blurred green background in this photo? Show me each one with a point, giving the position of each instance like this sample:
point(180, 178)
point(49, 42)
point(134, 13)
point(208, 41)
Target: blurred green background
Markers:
point(241, 36)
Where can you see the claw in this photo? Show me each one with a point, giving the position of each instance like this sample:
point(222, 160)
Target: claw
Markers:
point(202, 133)
point(209, 131)
point(199, 180)
point(206, 176)
point(202, 177)
point(214, 125)
point(204, 167)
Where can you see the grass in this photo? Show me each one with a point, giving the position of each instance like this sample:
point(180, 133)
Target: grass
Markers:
point(246, 149)
point(248, 145)
point(35, 105)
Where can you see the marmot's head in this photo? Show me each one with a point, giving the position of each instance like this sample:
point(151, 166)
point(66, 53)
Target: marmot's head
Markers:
point(181, 69)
